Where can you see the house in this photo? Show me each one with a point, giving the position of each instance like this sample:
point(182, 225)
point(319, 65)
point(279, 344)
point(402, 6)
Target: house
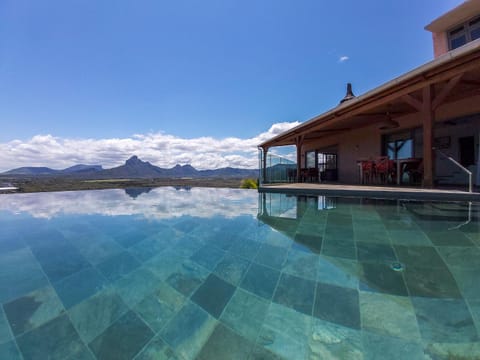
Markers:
point(430, 114)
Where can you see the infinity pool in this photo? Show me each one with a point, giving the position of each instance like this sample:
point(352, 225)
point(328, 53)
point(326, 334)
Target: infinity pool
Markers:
point(232, 274)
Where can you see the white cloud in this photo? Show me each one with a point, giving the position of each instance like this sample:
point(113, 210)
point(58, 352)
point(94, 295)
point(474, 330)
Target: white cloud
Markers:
point(160, 149)
point(343, 58)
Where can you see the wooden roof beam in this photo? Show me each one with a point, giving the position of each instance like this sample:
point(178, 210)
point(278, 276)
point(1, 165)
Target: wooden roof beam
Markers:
point(470, 82)
point(440, 98)
point(413, 102)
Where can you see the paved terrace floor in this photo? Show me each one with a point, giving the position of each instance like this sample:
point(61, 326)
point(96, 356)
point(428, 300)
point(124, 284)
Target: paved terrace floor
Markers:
point(399, 192)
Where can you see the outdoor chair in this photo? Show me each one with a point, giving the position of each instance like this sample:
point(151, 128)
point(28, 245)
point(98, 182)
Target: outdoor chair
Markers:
point(292, 175)
point(382, 169)
point(368, 171)
point(312, 174)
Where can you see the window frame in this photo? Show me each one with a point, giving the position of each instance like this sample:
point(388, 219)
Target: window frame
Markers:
point(464, 29)
point(397, 138)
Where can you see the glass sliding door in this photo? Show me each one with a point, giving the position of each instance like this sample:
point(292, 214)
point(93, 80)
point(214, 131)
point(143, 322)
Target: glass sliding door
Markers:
point(327, 166)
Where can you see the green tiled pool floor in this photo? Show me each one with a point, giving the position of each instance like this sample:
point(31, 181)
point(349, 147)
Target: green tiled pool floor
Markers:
point(230, 274)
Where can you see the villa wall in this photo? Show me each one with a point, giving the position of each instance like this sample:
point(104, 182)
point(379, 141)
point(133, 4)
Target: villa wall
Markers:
point(440, 44)
point(445, 171)
point(362, 143)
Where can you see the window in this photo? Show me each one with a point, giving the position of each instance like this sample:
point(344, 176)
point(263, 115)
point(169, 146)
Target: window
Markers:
point(464, 33)
point(327, 161)
point(327, 166)
point(311, 160)
point(399, 146)
point(475, 28)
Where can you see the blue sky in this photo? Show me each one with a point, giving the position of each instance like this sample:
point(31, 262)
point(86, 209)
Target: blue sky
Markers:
point(96, 81)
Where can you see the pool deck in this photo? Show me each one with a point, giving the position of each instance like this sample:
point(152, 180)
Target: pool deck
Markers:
point(371, 191)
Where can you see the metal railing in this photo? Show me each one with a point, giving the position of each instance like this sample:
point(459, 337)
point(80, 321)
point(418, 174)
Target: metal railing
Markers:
point(468, 172)
point(466, 222)
point(276, 170)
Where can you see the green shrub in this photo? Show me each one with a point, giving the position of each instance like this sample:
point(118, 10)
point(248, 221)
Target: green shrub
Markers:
point(249, 184)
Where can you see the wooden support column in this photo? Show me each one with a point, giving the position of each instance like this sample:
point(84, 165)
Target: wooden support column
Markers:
point(299, 145)
point(430, 102)
point(428, 117)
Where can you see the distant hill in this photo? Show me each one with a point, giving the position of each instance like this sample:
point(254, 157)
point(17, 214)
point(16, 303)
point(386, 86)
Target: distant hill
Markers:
point(32, 170)
point(134, 168)
point(229, 172)
point(82, 168)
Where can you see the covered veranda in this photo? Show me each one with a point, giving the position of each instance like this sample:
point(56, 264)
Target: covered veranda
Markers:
point(433, 109)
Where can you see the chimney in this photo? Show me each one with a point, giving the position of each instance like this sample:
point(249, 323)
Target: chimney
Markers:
point(349, 95)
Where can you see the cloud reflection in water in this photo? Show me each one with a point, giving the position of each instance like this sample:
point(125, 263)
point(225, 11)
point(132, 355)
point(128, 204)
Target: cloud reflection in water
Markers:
point(158, 203)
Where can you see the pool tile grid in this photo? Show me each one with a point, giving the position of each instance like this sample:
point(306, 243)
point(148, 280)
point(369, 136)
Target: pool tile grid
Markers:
point(34, 314)
point(217, 313)
point(18, 310)
point(60, 328)
point(157, 336)
point(271, 303)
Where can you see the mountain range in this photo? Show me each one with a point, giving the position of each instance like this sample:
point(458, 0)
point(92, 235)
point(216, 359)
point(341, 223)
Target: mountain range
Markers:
point(133, 168)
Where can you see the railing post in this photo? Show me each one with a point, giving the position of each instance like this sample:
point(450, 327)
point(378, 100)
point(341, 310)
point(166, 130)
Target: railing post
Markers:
point(264, 163)
point(455, 162)
point(428, 116)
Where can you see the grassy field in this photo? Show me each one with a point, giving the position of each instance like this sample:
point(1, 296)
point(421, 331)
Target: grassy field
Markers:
point(39, 184)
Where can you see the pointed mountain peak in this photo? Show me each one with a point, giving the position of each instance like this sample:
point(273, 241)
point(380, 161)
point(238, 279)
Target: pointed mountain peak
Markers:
point(134, 160)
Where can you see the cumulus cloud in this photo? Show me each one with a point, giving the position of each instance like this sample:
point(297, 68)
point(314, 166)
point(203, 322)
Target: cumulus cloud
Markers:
point(343, 58)
point(160, 149)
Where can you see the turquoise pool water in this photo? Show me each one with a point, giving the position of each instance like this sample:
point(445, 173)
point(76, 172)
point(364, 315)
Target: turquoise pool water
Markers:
point(232, 274)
